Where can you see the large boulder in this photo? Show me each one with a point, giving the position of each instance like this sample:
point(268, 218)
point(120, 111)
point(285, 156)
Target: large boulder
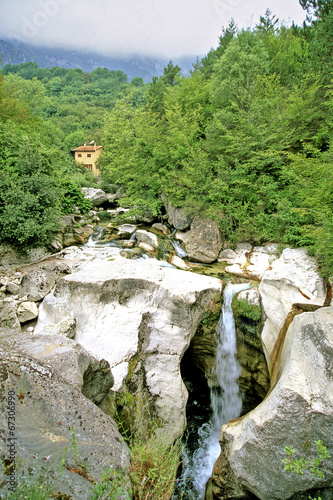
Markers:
point(35, 284)
point(293, 278)
point(177, 217)
point(96, 196)
point(136, 314)
point(297, 412)
point(48, 410)
point(70, 360)
point(203, 242)
point(76, 230)
point(125, 231)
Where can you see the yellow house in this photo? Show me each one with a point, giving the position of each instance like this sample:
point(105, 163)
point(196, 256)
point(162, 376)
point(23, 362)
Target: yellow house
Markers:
point(88, 156)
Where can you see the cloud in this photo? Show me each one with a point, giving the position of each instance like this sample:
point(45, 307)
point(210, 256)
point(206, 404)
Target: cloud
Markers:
point(118, 27)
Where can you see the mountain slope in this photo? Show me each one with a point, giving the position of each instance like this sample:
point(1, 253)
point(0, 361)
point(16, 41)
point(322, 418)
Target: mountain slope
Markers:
point(15, 52)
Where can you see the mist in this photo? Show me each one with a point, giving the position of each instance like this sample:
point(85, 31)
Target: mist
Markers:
point(124, 27)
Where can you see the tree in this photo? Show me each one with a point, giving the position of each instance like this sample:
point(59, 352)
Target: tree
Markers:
point(317, 8)
point(207, 63)
point(170, 74)
point(268, 24)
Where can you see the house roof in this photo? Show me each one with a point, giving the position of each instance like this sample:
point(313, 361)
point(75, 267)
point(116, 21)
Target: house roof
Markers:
point(87, 148)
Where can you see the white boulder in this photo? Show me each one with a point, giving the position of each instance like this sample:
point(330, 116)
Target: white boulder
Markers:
point(293, 278)
point(125, 307)
point(297, 411)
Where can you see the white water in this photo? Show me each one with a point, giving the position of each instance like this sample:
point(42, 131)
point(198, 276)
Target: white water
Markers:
point(226, 401)
point(94, 238)
point(180, 252)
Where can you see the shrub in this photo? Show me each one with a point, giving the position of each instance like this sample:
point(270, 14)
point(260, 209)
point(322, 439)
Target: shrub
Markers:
point(72, 197)
point(248, 311)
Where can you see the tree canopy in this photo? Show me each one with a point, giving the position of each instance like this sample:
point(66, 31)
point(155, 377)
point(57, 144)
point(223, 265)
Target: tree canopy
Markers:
point(246, 139)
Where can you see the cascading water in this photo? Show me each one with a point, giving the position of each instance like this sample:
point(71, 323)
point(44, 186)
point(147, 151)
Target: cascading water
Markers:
point(93, 239)
point(178, 248)
point(226, 404)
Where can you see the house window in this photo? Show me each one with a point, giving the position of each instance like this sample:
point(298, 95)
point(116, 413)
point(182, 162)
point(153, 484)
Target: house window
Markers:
point(89, 167)
point(79, 155)
point(89, 155)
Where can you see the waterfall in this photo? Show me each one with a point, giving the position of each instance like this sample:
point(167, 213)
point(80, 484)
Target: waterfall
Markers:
point(226, 403)
point(179, 250)
point(93, 239)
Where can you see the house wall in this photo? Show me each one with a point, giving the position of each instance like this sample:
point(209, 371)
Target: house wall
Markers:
point(89, 161)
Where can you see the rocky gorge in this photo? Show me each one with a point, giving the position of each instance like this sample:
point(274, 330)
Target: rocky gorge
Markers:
point(110, 327)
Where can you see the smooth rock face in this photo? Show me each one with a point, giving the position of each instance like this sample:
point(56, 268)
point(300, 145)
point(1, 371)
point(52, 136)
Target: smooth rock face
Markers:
point(293, 279)
point(254, 380)
point(178, 262)
point(47, 408)
point(126, 230)
point(203, 242)
point(111, 302)
point(9, 257)
point(296, 411)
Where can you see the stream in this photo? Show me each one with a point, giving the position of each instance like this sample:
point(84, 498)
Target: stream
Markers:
point(207, 410)
point(225, 404)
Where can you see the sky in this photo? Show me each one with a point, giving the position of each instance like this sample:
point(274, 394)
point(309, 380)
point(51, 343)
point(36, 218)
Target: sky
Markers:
point(166, 28)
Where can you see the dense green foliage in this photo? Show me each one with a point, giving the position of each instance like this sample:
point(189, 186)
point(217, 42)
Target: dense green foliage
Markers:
point(34, 182)
point(246, 139)
point(249, 312)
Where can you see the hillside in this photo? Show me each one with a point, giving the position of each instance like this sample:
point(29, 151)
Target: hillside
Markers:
point(15, 52)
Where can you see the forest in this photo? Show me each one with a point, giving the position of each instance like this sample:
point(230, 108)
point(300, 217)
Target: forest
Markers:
point(247, 139)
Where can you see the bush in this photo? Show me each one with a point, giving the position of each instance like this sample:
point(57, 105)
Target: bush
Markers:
point(29, 212)
point(248, 311)
point(72, 197)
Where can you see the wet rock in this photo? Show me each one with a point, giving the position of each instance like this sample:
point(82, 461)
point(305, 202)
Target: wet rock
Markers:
point(125, 231)
point(161, 228)
point(178, 262)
